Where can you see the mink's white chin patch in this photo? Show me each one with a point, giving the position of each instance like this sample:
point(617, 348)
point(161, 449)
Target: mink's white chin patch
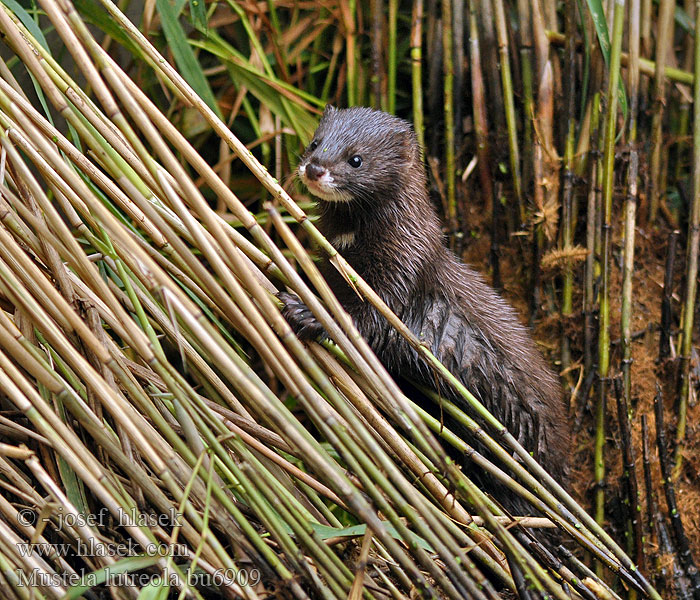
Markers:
point(329, 194)
point(324, 187)
point(344, 240)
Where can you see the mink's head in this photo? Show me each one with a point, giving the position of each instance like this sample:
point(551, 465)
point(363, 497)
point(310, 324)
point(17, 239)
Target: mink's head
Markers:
point(359, 154)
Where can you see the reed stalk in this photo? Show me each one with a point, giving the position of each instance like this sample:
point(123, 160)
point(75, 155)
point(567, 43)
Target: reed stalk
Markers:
point(417, 71)
point(377, 78)
point(509, 104)
point(665, 33)
point(604, 325)
point(526, 67)
point(490, 54)
point(392, 56)
point(349, 10)
point(625, 404)
point(666, 308)
point(480, 112)
point(592, 234)
point(691, 277)
point(433, 55)
point(448, 94)
point(632, 503)
point(646, 45)
point(568, 176)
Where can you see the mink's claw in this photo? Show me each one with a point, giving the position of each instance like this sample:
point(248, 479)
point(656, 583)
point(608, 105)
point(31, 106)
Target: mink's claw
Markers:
point(301, 319)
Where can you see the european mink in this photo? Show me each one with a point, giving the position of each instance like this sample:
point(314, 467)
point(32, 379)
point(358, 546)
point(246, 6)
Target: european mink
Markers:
point(366, 170)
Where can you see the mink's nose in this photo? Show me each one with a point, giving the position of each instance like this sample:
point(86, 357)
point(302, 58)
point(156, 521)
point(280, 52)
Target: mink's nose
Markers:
point(314, 171)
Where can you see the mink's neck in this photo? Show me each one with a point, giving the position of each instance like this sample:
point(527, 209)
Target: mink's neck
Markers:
point(391, 239)
point(404, 212)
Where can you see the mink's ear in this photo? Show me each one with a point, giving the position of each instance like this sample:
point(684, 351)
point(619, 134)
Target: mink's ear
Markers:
point(328, 110)
point(416, 151)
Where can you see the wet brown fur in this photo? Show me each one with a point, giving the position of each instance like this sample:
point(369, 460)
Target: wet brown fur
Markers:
point(398, 249)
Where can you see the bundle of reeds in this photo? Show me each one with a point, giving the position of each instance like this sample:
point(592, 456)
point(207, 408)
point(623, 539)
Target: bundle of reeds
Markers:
point(164, 433)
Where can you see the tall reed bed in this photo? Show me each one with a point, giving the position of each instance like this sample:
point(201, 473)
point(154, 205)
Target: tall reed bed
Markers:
point(165, 434)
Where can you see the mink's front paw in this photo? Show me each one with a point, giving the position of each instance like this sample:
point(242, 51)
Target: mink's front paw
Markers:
point(301, 319)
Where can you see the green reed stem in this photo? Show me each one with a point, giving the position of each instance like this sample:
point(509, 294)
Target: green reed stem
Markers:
point(350, 49)
point(691, 272)
point(417, 71)
point(666, 8)
point(448, 91)
point(604, 327)
point(509, 102)
point(568, 191)
point(391, 58)
point(526, 73)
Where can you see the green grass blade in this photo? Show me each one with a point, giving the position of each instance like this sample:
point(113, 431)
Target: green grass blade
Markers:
point(600, 23)
point(198, 12)
point(185, 58)
point(27, 21)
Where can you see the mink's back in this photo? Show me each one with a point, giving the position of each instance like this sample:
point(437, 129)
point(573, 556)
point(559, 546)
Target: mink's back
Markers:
point(478, 335)
point(475, 334)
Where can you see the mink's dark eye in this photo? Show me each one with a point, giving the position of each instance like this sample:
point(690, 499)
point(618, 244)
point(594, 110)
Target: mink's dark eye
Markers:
point(355, 161)
point(312, 146)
